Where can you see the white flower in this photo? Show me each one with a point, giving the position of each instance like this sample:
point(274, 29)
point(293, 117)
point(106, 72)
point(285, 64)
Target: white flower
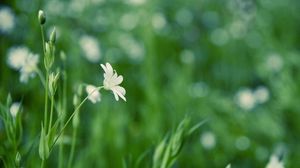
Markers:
point(7, 18)
point(274, 162)
point(17, 56)
point(228, 166)
point(208, 140)
point(21, 59)
point(245, 99)
point(274, 62)
point(90, 47)
point(261, 94)
point(15, 108)
point(112, 80)
point(29, 68)
point(93, 93)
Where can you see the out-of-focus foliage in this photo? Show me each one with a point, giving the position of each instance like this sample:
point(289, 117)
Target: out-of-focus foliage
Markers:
point(235, 63)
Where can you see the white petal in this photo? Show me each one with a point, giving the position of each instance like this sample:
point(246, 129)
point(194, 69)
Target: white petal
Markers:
point(118, 80)
point(116, 95)
point(104, 68)
point(120, 91)
point(93, 94)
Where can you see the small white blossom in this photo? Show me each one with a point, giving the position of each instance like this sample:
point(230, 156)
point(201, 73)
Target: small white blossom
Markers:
point(15, 108)
point(29, 68)
point(261, 94)
point(274, 162)
point(17, 56)
point(274, 62)
point(245, 99)
point(7, 20)
point(208, 140)
point(93, 93)
point(112, 81)
point(90, 47)
point(228, 166)
point(21, 59)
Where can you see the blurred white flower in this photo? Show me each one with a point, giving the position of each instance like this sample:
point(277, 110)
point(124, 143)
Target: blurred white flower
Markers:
point(112, 80)
point(228, 166)
point(274, 62)
point(136, 2)
point(261, 94)
point(208, 140)
point(17, 57)
point(29, 68)
point(158, 21)
point(245, 99)
point(129, 21)
point(21, 59)
point(90, 47)
point(7, 20)
point(15, 108)
point(93, 93)
point(133, 48)
point(274, 162)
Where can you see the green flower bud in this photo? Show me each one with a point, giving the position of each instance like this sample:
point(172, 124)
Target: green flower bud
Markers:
point(42, 17)
point(76, 120)
point(43, 147)
point(159, 152)
point(49, 55)
point(53, 36)
point(53, 83)
point(18, 159)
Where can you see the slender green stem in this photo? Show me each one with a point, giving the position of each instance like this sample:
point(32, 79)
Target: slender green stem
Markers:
point(72, 115)
point(51, 113)
point(72, 147)
point(63, 112)
point(43, 164)
point(43, 39)
point(46, 102)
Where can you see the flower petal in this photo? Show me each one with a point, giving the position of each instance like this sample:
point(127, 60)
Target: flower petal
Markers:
point(116, 95)
point(93, 93)
point(120, 91)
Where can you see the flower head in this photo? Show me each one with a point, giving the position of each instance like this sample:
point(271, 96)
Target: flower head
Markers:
point(93, 93)
point(21, 59)
point(17, 57)
point(90, 47)
point(15, 108)
point(112, 81)
point(275, 162)
point(29, 68)
point(7, 20)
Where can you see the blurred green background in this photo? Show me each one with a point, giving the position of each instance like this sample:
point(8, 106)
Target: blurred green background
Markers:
point(234, 62)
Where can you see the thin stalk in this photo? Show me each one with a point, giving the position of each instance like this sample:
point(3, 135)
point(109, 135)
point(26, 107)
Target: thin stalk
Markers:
point(46, 102)
point(72, 115)
point(72, 147)
point(63, 112)
point(51, 113)
point(43, 39)
point(43, 164)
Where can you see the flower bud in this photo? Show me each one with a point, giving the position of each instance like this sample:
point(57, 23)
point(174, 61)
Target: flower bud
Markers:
point(53, 78)
point(43, 147)
point(53, 36)
point(76, 120)
point(42, 17)
point(18, 159)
